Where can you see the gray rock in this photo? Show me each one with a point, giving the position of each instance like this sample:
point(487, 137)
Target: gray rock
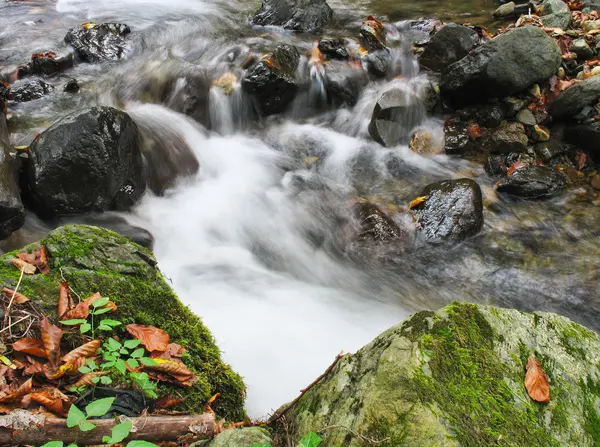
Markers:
point(585, 136)
point(456, 138)
point(396, 113)
point(378, 62)
point(333, 48)
point(12, 213)
point(509, 137)
point(505, 10)
point(592, 5)
point(548, 150)
point(591, 25)
point(554, 6)
point(526, 117)
point(47, 65)
point(105, 41)
point(581, 48)
point(506, 65)
point(86, 161)
point(28, 90)
point(448, 45)
point(344, 83)
point(299, 15)
point(495, 165)
point(238, 437)
point(375, 225)
point(272, 82)
point(487, 115)
point(576, 97)
point(533, 182)
point(451, 212)
point(559, 20)
point(419, 32)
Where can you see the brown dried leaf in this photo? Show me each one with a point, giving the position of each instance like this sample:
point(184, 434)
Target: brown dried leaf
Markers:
point(86, 379)
point(87, 350)
point(25, 267)
point(33, 367)
point(173, 367)
point(37, 258)
point(65, 300)
point(33, 346)
point(17, 395)
point(51, 336)
point(54, 404)
point(152, 338)
point(82, 310)
point(18, 298)
point(167, 401)
point(536, 381)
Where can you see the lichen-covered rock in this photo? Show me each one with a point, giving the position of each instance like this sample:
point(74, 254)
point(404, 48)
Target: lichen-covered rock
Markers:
point(448, 45)
point(238, 437)
point(300, 15)
point(455, 378)
point(98, 42)
point(93, 260)
point(507, 64)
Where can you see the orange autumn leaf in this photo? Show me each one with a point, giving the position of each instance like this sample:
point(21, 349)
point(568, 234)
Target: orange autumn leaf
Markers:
point(474, 130)
point(65, 300)
point(515, 167)
point(417, 201)
point(19, 393)
point(87, 379)
point(37, 258)
point(51, 336)
point(87, 350)
point(536, 381)
point(173, 350)
point(54, 404)
point(152, 338)
point(32, 346)
point(25, 267)
point(16, 297)
point(173, 367)
point(82, 310)
point(33, 367)
point(167, 401)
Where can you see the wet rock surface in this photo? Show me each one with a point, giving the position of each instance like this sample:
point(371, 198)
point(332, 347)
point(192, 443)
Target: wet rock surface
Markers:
point(452, 210)
point(395, 114)
point(509, 137)
point(532, 182)
point(375, 225)
point(45, 64)
point(450, 44)
point(501, 67)
point(576, 97)
point(456, 137)
point(29, 90)
point(98, 42)
point(344, 83)
point(272, 82)
point(12, 213)
point(301, 15)
point(585, 136)
point(86, 161)
point(333, 48)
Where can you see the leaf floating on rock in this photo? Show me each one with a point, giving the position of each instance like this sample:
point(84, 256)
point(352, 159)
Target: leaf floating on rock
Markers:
point(417, 201)
point(25, 267)
point(37, 258)
point(87, 350)
point(32, 346)
point(152, 338)
point(51, 336)
point(515, 167)
point(65, 301)
point(16, 297)
point(536, 381)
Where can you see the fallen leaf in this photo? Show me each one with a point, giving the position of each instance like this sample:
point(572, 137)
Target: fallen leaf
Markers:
point(65, 300)
point(515, 167)
point(173, 350)
point(87, 350)
point(82, 310)
point(152, 338)
point(16, 395)
point(417, 201)
point(33, 367)
point(167, 401)
point(25, 267)
point(16, 297)
point(536, 382)
point(173, 367)
point(54, 404)
point(37, 258)
point(51, 336)
point(32, 346)
point(474, 130)
point(87, 379)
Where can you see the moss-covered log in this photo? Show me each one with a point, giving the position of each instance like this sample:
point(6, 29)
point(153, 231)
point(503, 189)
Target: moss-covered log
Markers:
point(93, 259)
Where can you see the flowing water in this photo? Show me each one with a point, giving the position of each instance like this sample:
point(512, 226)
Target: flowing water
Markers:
point(256, 241)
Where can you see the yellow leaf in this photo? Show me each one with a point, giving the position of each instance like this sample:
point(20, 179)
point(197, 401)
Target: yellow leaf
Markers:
point(89, 25)
point(7, 362)
point(417, 201)
point(26, 267)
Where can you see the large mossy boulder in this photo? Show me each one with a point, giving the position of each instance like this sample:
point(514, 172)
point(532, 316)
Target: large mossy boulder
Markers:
point(456, 378)
point(93, 260)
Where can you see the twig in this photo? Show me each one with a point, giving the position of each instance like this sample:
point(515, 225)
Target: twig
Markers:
point(276, 416)
point(368, 441)
point(15, 323)
point(70, 288)
point(12, 298)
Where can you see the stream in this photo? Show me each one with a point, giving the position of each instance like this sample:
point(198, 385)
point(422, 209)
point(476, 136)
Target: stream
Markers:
point(252, 242)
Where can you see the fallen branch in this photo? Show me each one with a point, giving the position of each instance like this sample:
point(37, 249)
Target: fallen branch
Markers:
point(278, 416)
point(22, 427)
point(367, 441)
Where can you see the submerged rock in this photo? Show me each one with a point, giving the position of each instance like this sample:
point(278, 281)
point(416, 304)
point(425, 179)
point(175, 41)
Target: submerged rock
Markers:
point(344, 83)
point(45, 64)
point(98, 42)
point(448, 45)
point(333, 48)
point(456, 137)
point(396, 113)
point(375, 225)
point(300, 15)
point(455, 377)
point(93, 260)
point(576, 97)
point(452, 210)
point(86, 161)
point(507, 64)
point(377, 63)
point(72, 86)
point(532, 182)
point(28, 90)
point(272, 82)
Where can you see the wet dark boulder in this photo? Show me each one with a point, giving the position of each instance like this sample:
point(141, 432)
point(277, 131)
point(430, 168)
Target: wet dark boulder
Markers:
point(509, 137)
point(487, 115)
point(72, 86)
point(396, 113)
point(12, 213)
point(532, 182)
point(586, 137)
point(448, 45)
point(375, 225)
point(272, 82)
point(420, 31)
point(372, 34)
point(495, 165)
point(195, 98)
point(572, 100)
point(452, 210)
point(333, 48)
point(299, 15)
point(344, 83)
point(507, 64)
point(28, 90)
point(377, 62)
point(549, 150)
point(86, 161)
point(99, 42)
point(456, 137)
point(45, 64)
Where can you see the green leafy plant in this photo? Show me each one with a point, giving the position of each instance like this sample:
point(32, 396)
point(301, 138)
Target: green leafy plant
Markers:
point(98, 308)
point(77, 418)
